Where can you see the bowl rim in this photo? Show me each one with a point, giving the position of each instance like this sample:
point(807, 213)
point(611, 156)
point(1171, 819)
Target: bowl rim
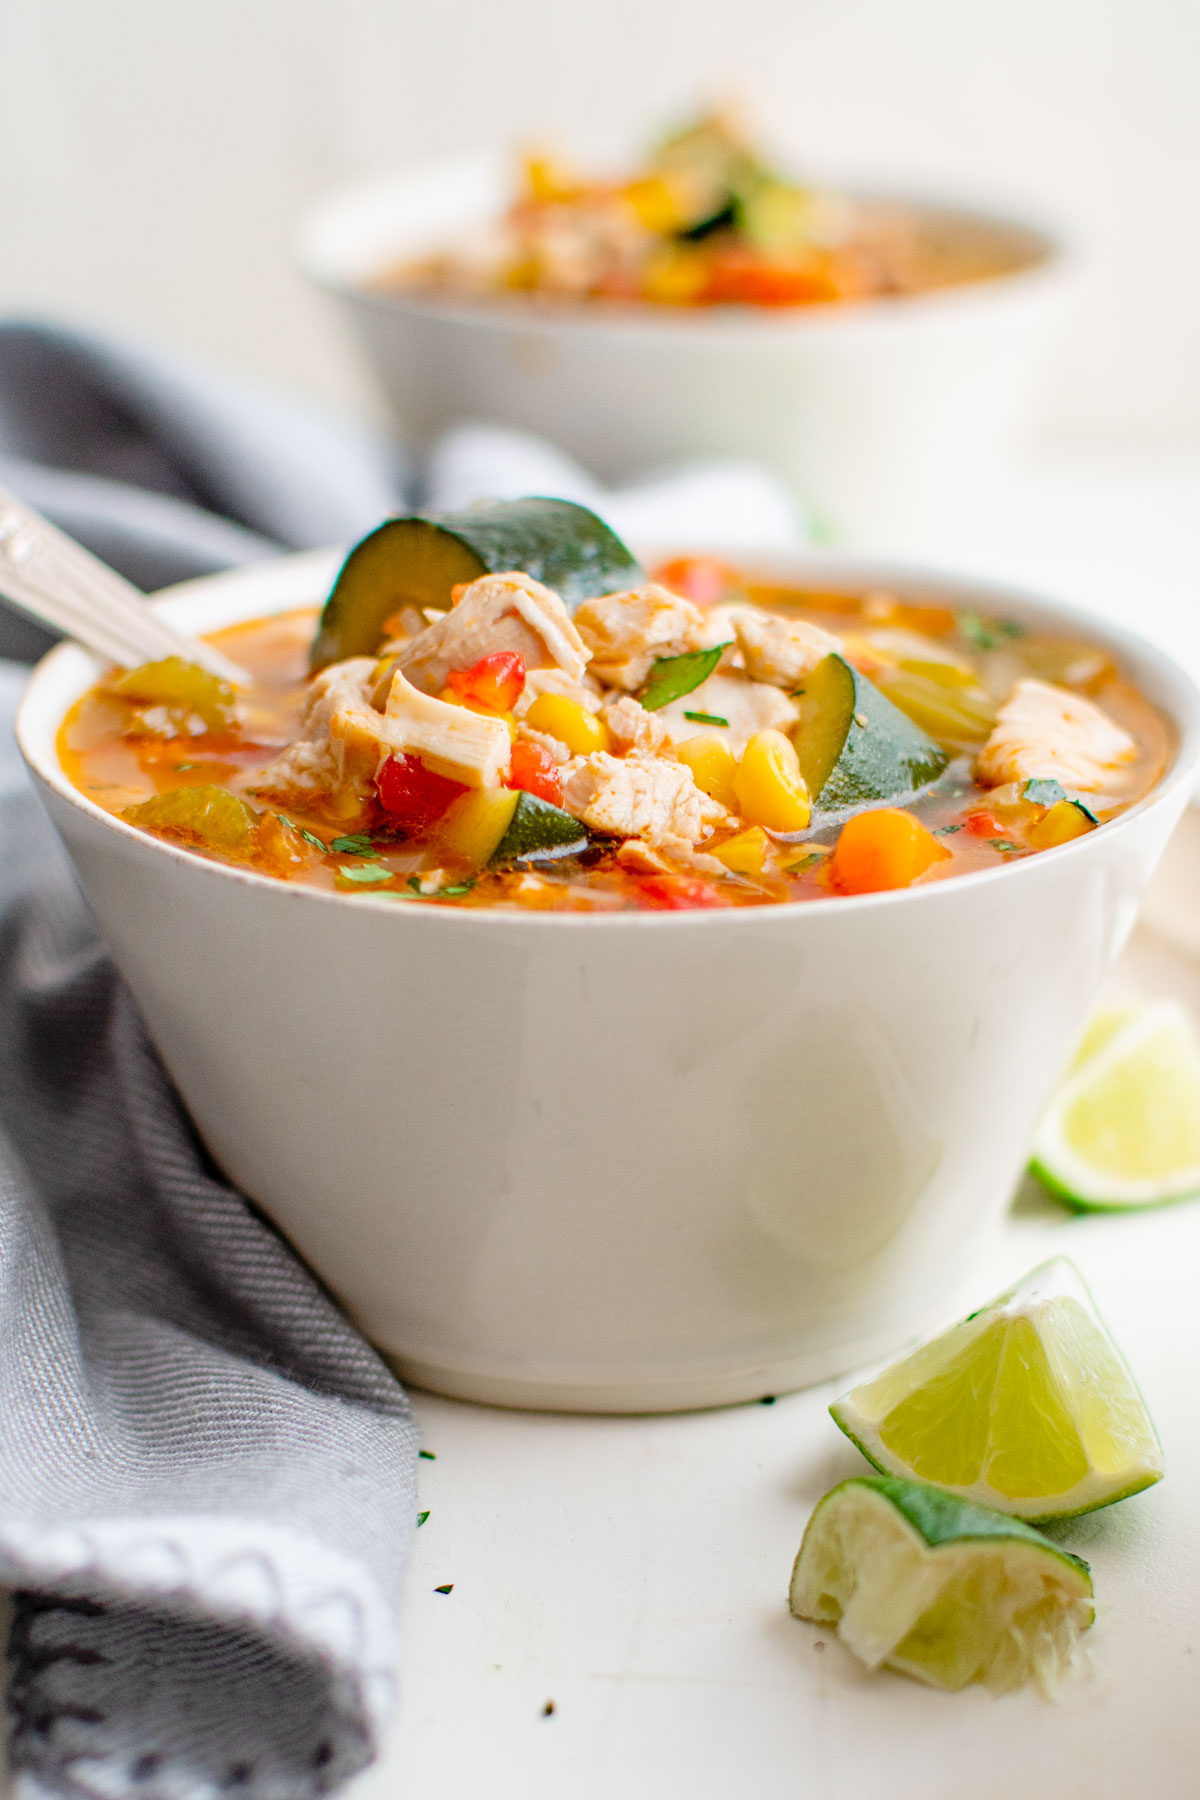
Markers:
point(384, 193)
point(289, 583)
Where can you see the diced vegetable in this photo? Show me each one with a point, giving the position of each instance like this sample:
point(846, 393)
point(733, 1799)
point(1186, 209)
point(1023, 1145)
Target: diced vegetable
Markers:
point(1065, 820)
point(536, 771)
point(886, 848)
point(538, 830)
point(583, 732)
point(679, 893)
point(984, 824)
point(493, 683)
point(953, 713)
point(210, 817)
point(768, 786)
point(183, 688)
point(701, 579)
point(418, 562)
point(671, 677)
point(747, 853)
point(854, 745)
point(713, 765)
point(413, 795)
point(471, 830)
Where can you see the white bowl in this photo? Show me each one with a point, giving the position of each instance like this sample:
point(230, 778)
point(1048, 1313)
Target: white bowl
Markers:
point(626, 1162)
point(887, 417)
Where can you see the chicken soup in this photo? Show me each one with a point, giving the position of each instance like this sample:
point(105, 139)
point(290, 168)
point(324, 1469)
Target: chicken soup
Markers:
point(501, 709)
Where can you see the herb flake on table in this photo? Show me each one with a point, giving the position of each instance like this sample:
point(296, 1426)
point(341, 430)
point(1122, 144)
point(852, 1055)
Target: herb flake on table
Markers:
point(421, 1517)
point(429, 1455)
point(674, 676)
point(447, 1587)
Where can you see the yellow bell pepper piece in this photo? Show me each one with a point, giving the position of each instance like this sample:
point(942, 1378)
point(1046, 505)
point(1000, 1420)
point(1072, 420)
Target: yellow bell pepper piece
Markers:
point(768, 786)
point(712, 763)
point(583, 732)
point(747, 853)
point(1059, 824)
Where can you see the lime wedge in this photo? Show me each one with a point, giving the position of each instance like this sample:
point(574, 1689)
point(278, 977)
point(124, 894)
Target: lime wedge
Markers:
point(939, 1588)
point(1027, 1406)
point(1124, 1129)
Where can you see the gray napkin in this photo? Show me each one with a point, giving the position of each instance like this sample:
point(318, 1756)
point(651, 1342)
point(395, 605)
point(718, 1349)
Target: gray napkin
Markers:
point(207, 1478)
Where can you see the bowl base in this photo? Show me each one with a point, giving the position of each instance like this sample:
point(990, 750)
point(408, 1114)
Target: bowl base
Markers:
point(675, 1390)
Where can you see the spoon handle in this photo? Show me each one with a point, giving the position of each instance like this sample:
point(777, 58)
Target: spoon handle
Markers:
point(54, 580)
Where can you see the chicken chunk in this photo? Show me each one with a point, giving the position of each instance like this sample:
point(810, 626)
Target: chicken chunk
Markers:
point(497, 612)
point(782, 651)
point(639, 796)
point(626, 632)
point(632, 727)
point(451, 740)
point(1050, 732)
point(346, 740)
point(746, 706)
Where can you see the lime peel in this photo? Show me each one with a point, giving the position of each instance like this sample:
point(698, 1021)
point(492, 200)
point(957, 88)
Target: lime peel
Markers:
point(1123, 1131)
point(1027, 1406)
point(939, 1588)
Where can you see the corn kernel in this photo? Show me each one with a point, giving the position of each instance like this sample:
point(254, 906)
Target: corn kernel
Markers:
point(675, 275)
point(572, 724)
point(1059, 824)
point(745, 854)
point(656, 203)
point(768, 786)
point(712, 763)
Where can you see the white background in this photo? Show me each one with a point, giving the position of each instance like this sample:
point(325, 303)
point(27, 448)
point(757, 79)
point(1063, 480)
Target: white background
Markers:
point(154, 154)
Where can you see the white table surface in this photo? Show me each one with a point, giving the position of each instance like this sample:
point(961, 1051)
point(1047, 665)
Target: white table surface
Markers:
point(634, 1571)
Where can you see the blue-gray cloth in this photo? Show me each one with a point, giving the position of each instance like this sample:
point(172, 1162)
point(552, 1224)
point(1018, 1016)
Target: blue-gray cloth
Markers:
point(207, 1478)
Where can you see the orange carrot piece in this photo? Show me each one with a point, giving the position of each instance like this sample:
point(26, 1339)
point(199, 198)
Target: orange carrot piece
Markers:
point(887, 848)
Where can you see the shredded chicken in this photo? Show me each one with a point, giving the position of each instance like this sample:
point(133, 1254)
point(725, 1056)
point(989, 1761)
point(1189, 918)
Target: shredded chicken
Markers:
point(639, 796)
point(1049, 732)
point(346, 739)
point(746, 706)
point(497, 612)
point(626, 632)
point(782, 651)
point(632, 727)
point(636, 854)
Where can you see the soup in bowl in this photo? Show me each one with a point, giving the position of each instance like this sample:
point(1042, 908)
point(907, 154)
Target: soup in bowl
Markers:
point(623, 1120)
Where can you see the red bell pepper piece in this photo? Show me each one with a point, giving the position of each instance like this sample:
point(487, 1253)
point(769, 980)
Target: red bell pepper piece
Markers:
point(699, 578)
point(413, 795)
point(494, 682)
point(535, 770)
point(984, 825)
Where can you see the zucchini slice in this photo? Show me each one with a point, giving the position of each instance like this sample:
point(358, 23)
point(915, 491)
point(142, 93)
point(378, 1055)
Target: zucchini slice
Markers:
point(417, 561)
point(538, 831)
point(855, 747)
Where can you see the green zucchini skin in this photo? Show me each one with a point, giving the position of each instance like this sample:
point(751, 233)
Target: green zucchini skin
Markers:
point(417, 561)
point(859, 749)
point(538, 829)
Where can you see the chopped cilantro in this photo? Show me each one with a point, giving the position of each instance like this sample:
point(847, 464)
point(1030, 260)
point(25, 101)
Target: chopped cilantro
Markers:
point(428, 1455)
point(947, 830)
point(1043, 791)
point(446, 1587)
point(1006, 847)
point(706, 718)
point(360, 844)
point(422, 1516)
point(364, 875)
point(674, 676)
point(310, 837)
point(986, 634)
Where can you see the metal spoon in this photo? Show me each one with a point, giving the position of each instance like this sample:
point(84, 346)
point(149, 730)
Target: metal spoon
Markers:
point(54, 580)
